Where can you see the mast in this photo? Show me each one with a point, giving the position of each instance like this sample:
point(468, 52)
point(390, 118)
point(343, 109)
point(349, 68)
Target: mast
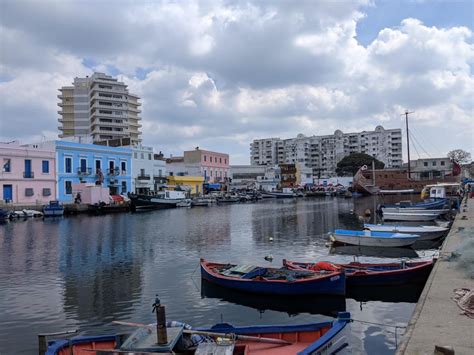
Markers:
point(408, 140)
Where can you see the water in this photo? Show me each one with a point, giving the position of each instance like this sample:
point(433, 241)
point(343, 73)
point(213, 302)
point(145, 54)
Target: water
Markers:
point(84, 272)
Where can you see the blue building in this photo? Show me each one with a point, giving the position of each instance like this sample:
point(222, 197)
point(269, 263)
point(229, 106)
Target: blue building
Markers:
point(90, 163)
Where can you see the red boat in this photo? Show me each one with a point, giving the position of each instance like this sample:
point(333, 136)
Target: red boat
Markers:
point(365, 274)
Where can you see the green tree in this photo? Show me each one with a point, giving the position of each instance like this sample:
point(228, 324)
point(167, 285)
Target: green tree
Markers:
point(349, 165)
point(459, 156)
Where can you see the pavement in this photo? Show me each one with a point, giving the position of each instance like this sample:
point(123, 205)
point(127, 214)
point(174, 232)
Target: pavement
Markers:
point(437, 320)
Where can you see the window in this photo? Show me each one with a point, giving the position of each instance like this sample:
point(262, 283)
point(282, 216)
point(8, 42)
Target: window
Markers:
point(111, 165)
point(7, 165)
point(46, 192)
point(142, 172)
point(124, 187)
point(434, 163)
point(210, 172)
point(425, 163)
point(83, 164)
point(68, 187)
point(45, 166)
point(98, 165)
point(220, 160)
point(149, 156)
point(142, 156)
point(68, 165)
point(123, 166)
point(225, 161)
point(28, 172)
point(159, 172)
point(205, 158)
point(135, 155)
point(29, 191)
point(442, 163)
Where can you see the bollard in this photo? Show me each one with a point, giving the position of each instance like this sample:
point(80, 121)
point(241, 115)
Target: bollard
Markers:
point(161, 334)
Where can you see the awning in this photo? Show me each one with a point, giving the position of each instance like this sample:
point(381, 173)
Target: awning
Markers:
point(213, 186)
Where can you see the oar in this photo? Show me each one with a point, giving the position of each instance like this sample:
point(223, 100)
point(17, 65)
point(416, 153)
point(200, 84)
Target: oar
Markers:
point(214, 334)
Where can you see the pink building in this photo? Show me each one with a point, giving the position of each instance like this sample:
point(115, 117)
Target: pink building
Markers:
point(213, 166)
point(28, 173)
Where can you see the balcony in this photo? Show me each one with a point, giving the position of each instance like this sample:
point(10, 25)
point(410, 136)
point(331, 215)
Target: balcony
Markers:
point(143, 177)
point(113, 172)
point(84, 171)
point(28, 175)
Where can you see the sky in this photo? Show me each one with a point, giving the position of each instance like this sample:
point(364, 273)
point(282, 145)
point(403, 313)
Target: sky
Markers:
point(218, 74)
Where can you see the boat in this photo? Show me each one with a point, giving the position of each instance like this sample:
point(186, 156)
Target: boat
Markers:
point(368, 274)
point(4, 214)
point(328, 305)
point(274, 281)
point(284, 193)
point(184, 203)
point(425, 205)
point(168, 199)
point(202, 201)
point(425, 232)
point(228, 199)
point(369, 238)
point(414, 211)
point(26, 213)
point(54, 208)
point(409, 216)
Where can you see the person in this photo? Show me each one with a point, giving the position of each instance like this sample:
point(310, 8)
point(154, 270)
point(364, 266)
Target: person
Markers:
point(78, 198)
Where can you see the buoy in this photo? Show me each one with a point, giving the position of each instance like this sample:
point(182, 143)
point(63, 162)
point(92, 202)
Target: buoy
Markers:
point(271, 239)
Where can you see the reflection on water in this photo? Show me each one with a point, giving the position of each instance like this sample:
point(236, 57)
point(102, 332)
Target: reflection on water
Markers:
point(379, 252)
point(84, 272)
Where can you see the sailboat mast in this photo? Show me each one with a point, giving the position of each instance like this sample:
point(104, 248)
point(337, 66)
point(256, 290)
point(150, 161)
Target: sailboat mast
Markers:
point(408, 142)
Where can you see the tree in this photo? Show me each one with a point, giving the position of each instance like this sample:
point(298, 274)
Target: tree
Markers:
point(349, 165)
point(459, 156)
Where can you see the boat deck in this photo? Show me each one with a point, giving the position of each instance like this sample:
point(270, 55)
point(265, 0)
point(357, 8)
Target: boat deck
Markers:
point(437, 320)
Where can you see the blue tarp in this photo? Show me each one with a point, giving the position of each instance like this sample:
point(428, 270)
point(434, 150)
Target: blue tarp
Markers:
point(212, 186)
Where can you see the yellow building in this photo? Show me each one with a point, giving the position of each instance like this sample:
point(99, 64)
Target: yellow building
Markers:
point(193, 183)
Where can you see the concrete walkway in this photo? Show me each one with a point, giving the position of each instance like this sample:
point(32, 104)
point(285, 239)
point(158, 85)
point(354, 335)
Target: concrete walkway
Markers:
point(437, 320)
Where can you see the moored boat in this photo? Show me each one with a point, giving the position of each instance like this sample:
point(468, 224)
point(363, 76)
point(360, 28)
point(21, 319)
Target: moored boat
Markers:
point(26, 213)
point(284, 193)
point(329, 337)
point(409, 216)
point(369, 238)
point(365, 274)
point(425, 205)
point(437, 212)
point(425, 232)
point(278, 281)
point(168, 199)
point(54, 208)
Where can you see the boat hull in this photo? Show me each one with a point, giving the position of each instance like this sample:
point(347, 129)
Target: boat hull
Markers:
point(425, 232)
point(395, 216)
point(373, 240)
point(151, 202)
point(382, 274)
point(331, 284)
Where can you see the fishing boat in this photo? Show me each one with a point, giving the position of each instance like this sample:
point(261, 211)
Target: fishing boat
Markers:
point(409, 216)
point(184, 203)
point(323, 338)
point(425, 232)
point(365, 274)
point(437, 212)
point(369, 238)
point(284, 193)
point(54, 208)
point(167, 199)
point(26, 213)
point(425, 205)
point(275, 281)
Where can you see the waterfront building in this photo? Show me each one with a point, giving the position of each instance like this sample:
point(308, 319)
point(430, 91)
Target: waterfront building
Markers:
point(92, 164)
point(322, 153)
point(304, 175)
point(287, 175)
point(159, 171)
point(100, 107)
point(142, 169)
point(430, 168)
point(28, 173)
point(193, 184)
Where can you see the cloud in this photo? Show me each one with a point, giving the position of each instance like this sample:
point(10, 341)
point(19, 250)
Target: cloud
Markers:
point(218, 73)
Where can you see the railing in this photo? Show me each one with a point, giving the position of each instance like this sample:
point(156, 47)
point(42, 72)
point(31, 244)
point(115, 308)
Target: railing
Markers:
point(143, 177)
point(84, 171)
point(28, 175)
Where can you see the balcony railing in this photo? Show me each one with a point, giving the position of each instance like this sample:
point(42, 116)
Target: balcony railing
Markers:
point(143, 177)
point(84, 171)
point(28, 175)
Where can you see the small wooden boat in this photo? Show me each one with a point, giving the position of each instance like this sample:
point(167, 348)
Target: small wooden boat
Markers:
point(425, 205)
point(408, 216)
point(275, 281)
point(376, 239)
point(425, 232)
point(323, 338)
point(365, 274)
point(54, 208)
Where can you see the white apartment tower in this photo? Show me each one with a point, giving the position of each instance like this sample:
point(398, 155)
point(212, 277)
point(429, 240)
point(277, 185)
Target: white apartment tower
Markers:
point(322, 153)
point(99, 107)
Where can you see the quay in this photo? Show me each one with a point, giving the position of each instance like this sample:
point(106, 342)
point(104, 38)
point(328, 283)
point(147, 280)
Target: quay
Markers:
point(73, 208)
point(437, 319)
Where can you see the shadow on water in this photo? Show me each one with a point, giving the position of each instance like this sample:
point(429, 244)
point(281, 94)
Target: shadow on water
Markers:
point(401, 293)
point(325, 305)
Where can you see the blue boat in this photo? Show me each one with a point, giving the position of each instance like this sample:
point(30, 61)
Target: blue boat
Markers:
point(274, 281)
point(368, 238)
point(323, 338)
point(54, 208)
point(366, 274)
point(428, 204)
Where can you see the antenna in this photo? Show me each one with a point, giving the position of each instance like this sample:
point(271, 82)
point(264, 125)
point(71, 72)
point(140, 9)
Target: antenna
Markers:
point(408, 139)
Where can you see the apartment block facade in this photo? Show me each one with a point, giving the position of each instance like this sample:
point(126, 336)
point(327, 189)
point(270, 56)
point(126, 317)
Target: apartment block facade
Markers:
point(28, 173)
point(322, 153)
point(100, 107)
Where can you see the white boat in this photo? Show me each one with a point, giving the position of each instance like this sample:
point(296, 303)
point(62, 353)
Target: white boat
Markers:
point(168, 199)
point(368, 238)
point(27, 213)
point(425, 232)
point(407, 216)
point(414, 210)
point(285, 193)
point(184, 203)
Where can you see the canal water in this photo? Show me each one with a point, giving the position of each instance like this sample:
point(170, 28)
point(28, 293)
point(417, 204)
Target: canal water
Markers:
point(84, 272)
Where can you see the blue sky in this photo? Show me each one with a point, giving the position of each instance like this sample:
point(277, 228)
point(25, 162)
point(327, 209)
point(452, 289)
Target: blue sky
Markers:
point(218, 74)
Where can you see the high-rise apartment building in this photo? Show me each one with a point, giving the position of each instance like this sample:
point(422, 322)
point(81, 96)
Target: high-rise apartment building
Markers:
point(99, 107)
point(322, 153)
